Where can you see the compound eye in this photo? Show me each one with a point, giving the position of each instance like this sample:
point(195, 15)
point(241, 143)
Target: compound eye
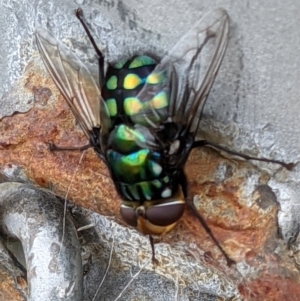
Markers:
point(129, 215)
point(165, 214)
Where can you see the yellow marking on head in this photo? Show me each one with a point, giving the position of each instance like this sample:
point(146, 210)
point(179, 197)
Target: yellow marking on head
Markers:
point(147, 228)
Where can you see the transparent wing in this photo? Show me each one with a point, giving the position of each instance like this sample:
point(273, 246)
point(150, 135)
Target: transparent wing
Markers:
point(186, 75)
point(80, 88)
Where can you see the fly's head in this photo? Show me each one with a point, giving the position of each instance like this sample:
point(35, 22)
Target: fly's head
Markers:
point(154, 217)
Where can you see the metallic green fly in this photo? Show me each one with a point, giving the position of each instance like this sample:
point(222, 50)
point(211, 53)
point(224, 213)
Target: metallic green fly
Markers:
point(142, 116)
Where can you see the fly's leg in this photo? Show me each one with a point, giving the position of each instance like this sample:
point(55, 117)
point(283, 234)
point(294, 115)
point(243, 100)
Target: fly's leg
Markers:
point(154, 260)
point(190, 203)
point(79, 15)
point(98, 151)
point(201, 143)
point(54, 148)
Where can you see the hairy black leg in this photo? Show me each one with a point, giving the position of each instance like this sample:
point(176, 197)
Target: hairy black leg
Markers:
point(201, 143)
point(190, 203)
point(79, 15)
point(54, 148)
point(154, 260)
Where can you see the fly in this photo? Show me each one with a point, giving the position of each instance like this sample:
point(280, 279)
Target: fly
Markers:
point(142, 117)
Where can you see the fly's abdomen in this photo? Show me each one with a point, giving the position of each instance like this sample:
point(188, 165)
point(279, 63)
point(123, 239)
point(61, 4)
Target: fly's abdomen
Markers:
point(124, 82)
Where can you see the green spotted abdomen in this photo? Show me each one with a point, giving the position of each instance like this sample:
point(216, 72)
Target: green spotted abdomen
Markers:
point(137, 170)
point(120, 92)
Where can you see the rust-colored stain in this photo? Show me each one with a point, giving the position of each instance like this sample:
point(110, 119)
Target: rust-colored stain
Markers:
point(24, 142)
point(9, 289)
point(246, 231)
point(269, 287)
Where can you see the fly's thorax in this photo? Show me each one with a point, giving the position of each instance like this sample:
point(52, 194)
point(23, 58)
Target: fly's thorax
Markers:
point(154, 217)
point(140, 175)
point(126, 138)
point(124, 81)
point(138, 170)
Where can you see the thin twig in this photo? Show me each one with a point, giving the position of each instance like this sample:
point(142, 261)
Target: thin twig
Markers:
point(132, 279)
point(107, 268)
